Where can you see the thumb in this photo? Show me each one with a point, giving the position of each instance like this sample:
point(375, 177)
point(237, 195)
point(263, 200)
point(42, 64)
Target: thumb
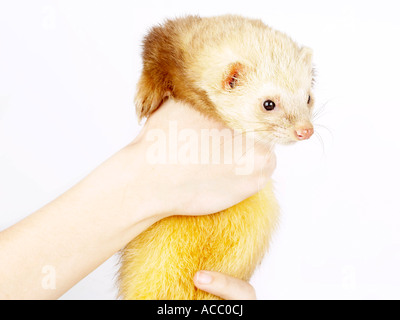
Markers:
point(224, 286)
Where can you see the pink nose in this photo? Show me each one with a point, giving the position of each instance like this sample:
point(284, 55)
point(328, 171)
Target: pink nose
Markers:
point(304, 133)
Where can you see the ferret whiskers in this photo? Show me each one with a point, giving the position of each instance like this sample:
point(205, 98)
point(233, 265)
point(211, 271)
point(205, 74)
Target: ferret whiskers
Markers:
point(319, 137)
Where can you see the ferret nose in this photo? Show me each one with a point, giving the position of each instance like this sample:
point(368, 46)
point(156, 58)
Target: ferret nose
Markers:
point(304, 133)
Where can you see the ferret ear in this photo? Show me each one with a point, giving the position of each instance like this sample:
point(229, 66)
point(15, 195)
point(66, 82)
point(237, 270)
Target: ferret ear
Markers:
point(306, 55)
point(233, 76)
point(149, 96)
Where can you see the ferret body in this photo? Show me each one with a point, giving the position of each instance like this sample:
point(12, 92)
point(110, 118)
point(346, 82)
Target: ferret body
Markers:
point(250, 77)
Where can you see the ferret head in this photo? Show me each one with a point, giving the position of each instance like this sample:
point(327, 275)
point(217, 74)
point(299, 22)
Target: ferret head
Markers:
point(265, 86)
point(250, 76)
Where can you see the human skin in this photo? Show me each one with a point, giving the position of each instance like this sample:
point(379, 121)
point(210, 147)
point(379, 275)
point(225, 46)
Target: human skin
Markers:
point(224, 286)
point(118, 200)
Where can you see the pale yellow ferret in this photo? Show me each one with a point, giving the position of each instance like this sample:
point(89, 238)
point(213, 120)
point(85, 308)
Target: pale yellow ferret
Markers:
point(252, 78)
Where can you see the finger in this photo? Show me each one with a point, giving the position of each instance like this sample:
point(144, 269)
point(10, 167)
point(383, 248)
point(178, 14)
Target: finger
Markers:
point(224, 286)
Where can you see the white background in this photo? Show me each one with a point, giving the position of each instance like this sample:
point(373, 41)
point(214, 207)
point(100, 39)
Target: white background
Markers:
point(68, 71)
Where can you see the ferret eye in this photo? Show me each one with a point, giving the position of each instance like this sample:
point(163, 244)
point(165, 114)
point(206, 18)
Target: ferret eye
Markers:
point(309, 100)
point(269, 105)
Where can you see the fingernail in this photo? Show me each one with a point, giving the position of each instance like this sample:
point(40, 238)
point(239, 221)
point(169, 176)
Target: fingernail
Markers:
point(203, 278)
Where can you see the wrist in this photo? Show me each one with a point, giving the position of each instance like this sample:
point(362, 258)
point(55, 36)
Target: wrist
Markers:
point(134, 186)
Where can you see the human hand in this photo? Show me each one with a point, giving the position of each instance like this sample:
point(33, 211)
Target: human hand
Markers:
point(181, 177)
point(223, 286)
point(120, 199)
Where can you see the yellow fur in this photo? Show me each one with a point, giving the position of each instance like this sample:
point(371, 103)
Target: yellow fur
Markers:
point(161, 262)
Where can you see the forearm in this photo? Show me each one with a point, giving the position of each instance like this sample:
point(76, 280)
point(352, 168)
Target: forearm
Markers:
point(74, 234)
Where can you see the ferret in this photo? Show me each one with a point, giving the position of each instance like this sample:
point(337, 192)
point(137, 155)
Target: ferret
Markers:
point(250, 77)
